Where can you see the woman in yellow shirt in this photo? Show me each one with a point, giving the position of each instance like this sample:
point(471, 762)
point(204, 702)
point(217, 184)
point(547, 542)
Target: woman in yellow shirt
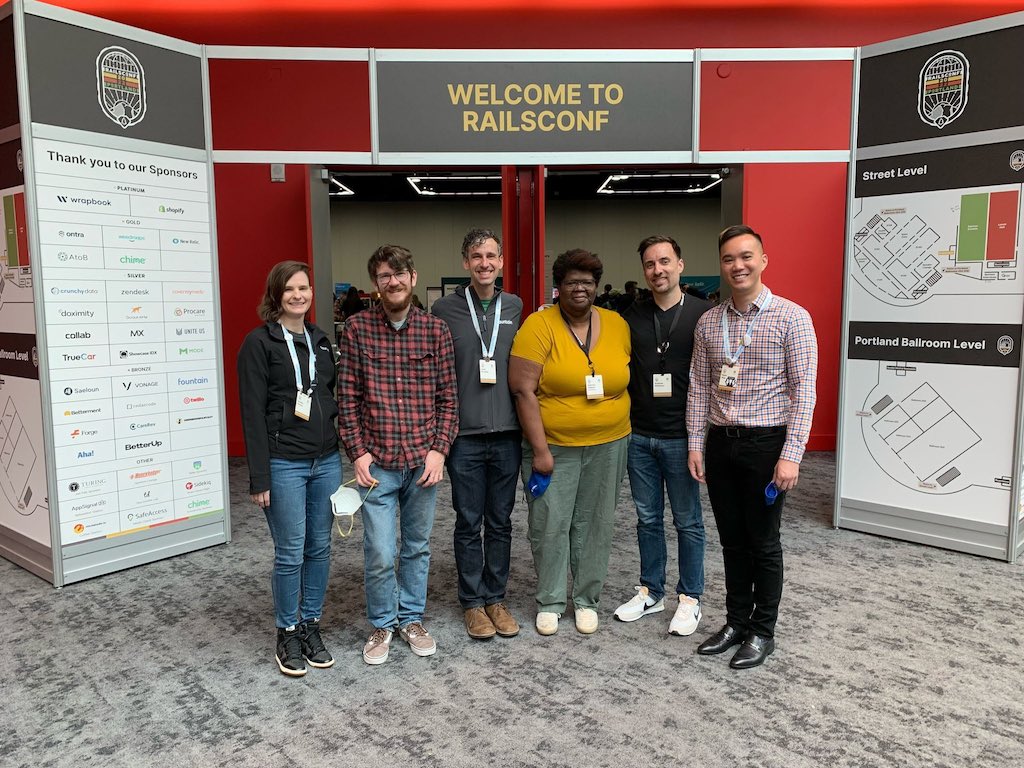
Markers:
point(568, 373)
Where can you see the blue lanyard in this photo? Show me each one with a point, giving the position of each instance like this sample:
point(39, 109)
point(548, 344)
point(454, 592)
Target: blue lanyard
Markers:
point(295, 358)
point(726, 346)
point(488, 352)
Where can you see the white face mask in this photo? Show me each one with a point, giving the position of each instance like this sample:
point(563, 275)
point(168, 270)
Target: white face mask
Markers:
point(345, 502)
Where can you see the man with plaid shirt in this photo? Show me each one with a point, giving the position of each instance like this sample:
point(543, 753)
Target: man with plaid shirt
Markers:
point(398, 416)
point(752, 377)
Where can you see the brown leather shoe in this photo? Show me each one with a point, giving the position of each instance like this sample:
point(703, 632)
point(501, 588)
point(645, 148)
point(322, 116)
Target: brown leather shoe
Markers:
point(502, 620)
point(478, 625)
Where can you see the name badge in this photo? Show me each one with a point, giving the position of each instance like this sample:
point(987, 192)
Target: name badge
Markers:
point(595, 387)
point(663, 385)
point(488, 372)
point(727, 380)
point(303, 405)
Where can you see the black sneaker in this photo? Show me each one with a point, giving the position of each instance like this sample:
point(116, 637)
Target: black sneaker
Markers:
point(289, 652)
point(313, 647)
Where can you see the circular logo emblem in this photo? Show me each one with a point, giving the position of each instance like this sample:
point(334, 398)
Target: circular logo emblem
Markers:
point(1005, 345)
point(1017, 159)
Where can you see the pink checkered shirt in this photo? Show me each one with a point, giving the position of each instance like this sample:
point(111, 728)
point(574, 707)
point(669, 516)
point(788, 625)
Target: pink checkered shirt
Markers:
point(777, 372)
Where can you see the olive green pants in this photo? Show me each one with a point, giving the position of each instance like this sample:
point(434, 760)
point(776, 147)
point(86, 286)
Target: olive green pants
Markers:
point(571, 525)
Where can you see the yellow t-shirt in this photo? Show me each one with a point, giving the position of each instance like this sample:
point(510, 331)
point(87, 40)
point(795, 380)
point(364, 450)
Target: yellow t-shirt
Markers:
point(570, 419)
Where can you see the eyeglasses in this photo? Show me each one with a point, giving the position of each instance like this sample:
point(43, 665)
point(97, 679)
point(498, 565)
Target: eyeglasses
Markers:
point(383, 280)
point(573, 284)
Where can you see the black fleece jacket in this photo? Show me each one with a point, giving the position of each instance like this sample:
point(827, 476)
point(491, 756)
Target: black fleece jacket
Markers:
point(266, 395)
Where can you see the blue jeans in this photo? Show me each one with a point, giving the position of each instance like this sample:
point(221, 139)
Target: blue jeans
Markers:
point(656, 465)
point(397, 599)
point(484, 470)
point(300, 518)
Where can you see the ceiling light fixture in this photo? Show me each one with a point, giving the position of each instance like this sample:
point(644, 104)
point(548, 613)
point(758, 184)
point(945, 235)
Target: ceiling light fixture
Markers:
point(341, 191)
point(659, 183)
point(456, 186)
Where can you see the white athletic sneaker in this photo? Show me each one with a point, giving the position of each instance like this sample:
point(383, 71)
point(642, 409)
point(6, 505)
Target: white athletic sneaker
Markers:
point(687, 617)
point(586, 621)
point(547, 622)
point(640, 605)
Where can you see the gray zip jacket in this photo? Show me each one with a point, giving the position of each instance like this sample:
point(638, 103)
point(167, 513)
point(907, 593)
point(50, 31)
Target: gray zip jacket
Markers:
point(483, 408)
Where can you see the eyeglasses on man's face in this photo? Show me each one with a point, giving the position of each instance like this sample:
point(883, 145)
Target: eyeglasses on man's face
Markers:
point(384, 278)
point(574, 284)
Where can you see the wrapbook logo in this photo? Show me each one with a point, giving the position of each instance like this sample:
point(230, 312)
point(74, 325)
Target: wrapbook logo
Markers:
point(121, 86)
point(942, 88)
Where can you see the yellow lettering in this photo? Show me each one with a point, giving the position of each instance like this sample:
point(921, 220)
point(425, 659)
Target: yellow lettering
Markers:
point(488, 123)
point(600, 119)
point(546, 121)
point(469, 120)
point(513, 93)
point(533, 94)
point(613, 93)
point(459, 94)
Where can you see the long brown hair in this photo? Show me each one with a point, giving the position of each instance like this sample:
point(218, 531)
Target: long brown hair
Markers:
point(270, 307)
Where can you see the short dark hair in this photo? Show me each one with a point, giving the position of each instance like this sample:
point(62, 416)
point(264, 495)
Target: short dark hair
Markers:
point(647, 242)
point(630, 286)
point(270, 307)
point(477, 236)
point(578, 259)
point(395, 256)
point(737, 230)
point(608, 287)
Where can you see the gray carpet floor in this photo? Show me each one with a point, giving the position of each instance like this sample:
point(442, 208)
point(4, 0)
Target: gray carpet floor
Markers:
point(889, 654)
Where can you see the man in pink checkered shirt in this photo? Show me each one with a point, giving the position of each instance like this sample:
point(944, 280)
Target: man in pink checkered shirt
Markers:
point(752, 377)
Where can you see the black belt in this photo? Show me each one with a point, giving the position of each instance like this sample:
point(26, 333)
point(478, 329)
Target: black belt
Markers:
point(747, 431)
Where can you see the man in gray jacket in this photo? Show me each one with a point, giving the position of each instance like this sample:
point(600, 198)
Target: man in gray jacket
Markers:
point(484, 459)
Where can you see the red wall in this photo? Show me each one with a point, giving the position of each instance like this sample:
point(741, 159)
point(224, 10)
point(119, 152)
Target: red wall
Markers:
point(259, 223)
point(800, 212)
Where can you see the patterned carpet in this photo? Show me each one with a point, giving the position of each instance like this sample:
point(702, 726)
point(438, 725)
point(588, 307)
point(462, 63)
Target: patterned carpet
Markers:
point(889, 654)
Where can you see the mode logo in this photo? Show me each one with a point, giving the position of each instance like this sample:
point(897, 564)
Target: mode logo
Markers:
point(185, 351)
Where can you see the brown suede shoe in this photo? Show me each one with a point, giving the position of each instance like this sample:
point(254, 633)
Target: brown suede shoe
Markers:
point(478, 625)
point(503, 621)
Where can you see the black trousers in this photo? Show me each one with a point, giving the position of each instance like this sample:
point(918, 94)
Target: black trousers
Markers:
point(738, 464)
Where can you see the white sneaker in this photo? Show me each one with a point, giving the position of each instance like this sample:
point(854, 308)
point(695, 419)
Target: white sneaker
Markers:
point(547, 622)
point(687, 617)
point(640, 605)
point(586, 621)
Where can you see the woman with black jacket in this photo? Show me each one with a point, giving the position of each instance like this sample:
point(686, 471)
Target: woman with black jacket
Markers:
point(286, 380)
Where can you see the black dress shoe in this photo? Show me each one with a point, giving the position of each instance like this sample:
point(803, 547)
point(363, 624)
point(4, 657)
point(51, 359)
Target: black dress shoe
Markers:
point(753, 652)
point(721, 641)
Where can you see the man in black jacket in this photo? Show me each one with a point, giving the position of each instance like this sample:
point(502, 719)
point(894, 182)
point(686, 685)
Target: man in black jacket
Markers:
point(484, 459)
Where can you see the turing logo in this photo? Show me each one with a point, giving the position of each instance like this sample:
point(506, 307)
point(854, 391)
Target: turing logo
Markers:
point(121, 86)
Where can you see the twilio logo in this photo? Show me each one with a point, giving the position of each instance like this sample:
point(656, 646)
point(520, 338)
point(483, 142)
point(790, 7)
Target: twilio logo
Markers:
point(188, 400)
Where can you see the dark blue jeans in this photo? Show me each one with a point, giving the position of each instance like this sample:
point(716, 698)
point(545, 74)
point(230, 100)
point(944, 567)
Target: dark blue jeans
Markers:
point(737, 469)
point(657, 466)
point(484, 471)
